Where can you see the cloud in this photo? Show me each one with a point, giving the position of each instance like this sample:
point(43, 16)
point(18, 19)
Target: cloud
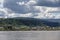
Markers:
point(57, 16)
point(29, 3)
point(47, 12)
point(16, 7)
point(20, 6)
point(49, 3)
point(19, 15)
point(4, 12)
point(1, 3)
point(44, 13)
point(42, 9)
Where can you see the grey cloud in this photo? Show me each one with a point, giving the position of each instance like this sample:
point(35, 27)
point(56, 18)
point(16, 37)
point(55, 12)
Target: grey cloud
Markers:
point(57, 12)
point(48, 3)
point(11, 4)
point(2, 14)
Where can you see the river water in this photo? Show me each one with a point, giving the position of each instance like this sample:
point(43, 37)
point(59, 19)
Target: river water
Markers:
point(29, 35)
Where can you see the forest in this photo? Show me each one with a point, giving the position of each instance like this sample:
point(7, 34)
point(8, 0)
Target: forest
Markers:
point(26, 24)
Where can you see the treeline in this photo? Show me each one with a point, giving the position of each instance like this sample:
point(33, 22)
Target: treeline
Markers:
point(27, 24)
point(18, 22)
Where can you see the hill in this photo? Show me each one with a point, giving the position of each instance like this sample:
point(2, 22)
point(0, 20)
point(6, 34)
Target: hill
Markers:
point(31, 21)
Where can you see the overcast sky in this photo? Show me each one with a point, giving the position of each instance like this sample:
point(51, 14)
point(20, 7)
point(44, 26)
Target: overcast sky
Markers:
point(42, 9)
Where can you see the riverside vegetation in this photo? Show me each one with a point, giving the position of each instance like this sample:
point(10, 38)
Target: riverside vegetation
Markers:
point(22, 24)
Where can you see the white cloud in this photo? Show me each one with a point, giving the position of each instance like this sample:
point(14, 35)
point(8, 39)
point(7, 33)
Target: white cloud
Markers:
point(26, 15)
point(19, 15)
point(1, 3)
point(45, 12)
point(29, 3)
point(5, 12)
point(44, 16)
point(57, 16)
point(21, 3)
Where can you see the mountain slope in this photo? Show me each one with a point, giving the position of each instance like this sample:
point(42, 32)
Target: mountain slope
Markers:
point(32, 21)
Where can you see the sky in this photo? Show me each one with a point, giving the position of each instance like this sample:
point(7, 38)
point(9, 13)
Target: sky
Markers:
point(41, 9)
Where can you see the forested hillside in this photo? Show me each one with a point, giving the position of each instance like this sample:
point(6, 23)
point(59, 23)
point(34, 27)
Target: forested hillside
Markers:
point(28, 22)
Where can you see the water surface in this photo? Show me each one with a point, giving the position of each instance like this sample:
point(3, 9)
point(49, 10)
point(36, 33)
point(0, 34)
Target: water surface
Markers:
point(29, 35)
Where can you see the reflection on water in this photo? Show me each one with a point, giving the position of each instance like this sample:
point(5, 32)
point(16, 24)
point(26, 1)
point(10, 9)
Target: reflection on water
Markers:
point(29, 35)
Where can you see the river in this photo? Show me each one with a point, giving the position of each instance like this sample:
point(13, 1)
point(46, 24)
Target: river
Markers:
point(29, 35)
